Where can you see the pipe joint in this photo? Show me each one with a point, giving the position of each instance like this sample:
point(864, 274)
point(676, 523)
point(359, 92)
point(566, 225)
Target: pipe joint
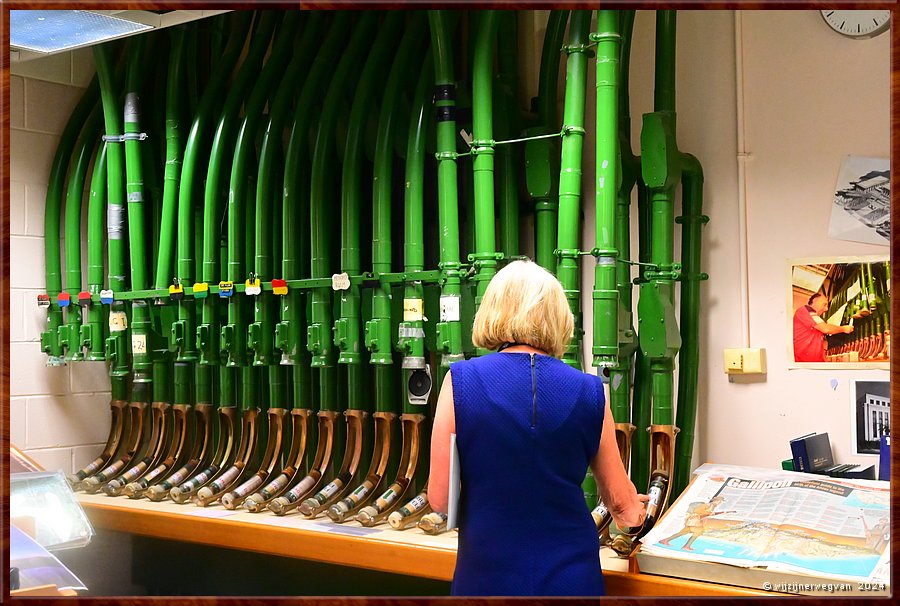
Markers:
point(606, 37)
point(483, 147)
point(569, 253)
point(584, 49)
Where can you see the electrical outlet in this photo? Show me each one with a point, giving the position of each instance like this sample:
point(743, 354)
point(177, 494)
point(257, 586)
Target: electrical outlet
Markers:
point(745, 361)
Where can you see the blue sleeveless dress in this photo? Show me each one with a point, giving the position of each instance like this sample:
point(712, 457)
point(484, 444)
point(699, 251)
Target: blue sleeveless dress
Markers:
point(524, 527)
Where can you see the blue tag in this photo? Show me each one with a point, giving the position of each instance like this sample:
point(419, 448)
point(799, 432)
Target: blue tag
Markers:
point(106, 297)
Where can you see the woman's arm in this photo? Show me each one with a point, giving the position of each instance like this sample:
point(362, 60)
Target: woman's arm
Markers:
point(615, 488)
point(444, 424)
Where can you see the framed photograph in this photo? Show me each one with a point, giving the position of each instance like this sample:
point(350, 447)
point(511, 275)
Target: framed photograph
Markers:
point(870, 406)
point(861, 207)
point(839, 312)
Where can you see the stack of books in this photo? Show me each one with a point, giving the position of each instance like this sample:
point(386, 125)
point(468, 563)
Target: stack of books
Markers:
point(811, 453)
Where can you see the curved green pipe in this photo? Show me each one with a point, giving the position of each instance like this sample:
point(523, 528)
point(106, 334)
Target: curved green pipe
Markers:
point(485, 256)
point(92, 333)
point(605, 295)
point(295, 211)
point(347, 328)
point(448, 329)
point(70, 334)
point(568, 239)
point(52, 210)
point(549, 70)
point(507, 178)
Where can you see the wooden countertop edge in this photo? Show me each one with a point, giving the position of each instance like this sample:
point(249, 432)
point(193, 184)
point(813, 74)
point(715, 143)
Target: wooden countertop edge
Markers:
point(362, 552)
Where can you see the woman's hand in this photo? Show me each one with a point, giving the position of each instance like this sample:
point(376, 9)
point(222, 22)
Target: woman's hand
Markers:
point(630, 513)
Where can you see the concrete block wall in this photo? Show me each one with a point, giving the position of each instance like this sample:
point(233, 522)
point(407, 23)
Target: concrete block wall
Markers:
point(58, 415)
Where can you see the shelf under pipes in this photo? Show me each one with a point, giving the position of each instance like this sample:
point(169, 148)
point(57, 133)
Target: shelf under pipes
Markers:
point(408, 552)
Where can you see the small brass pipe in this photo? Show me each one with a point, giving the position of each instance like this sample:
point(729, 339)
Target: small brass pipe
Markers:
point(301, 420)
point(394, 496)
point(433, 523)
point(136, 412)
point(290, 500)
point(340, 485)
point(232, 477)
point(116, 427)
point(347, 507)
point(624, 431)
point(234, 497)
point(181, 415)
point(197, 459)
point(221, 460)
point(407, 516)
point(156, 446)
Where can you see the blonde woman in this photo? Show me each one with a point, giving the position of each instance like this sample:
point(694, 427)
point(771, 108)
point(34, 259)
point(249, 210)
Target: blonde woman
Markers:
point(527, 426)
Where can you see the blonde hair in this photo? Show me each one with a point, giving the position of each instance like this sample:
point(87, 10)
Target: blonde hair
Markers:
point(524, 303)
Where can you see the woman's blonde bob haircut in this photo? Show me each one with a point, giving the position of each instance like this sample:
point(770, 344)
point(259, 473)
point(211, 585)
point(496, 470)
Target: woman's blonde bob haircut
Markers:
point(524, 303)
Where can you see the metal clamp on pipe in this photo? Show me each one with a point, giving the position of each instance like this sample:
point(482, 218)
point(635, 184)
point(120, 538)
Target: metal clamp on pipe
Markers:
point(125, 137)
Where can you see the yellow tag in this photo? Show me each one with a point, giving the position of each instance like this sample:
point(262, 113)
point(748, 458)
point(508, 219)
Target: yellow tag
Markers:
point(174, 289)
point(201, 289)
point(413, 310)
point(226, 288)
point(252, 287)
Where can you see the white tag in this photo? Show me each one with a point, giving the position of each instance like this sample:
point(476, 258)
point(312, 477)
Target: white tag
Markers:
point(450, 308)
point(340, 282)
point(413, 310)
point(854, 290)
point(138, 344)
point(466, 136)
point(118, 321)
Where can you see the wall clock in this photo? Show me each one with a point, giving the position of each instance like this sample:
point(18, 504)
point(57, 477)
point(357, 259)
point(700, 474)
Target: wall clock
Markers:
point(857, 24)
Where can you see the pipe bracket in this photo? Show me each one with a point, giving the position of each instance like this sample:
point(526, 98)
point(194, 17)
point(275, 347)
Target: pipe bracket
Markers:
point(125, 137)
point(576, 48)
point(605, 37)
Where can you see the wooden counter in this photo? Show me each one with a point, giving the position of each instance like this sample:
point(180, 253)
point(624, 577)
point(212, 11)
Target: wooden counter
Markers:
point(409, 552)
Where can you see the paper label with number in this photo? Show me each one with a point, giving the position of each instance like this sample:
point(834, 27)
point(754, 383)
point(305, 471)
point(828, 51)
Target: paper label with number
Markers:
point(413, 310)
point(118, 321)
point(450, 308)
point(138, 344)
point(340, 282)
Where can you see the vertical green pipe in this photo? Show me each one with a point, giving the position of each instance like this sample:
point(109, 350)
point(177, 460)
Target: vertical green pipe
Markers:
point(52, 210)
point(485, 258)
point(93, 332)
point(569, 228)
point(448, 330)
point(70, 333)
point(640, 414)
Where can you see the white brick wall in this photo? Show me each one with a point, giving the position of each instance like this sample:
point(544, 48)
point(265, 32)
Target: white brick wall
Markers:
point(58, 415)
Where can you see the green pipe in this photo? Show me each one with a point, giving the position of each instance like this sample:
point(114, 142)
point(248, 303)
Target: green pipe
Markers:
point(640, 414)
point(295, 211)
point(347, 328)
point(692, 220)
point(486, 256)
point(174, 154)
point(52, 210)
point(378, 329)
point(70, 333)
point(507, 181)
point(569, 236)
point(448, 329)
point(664, 89)
point(92, 333)
point(542, 154)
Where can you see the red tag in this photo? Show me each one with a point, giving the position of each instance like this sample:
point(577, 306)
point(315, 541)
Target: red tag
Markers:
point(84, 298)
point(43, 300)
point(279, 286)
point(63, 299)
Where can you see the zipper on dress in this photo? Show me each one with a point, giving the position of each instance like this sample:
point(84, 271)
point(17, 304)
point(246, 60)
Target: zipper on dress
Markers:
point(533, 394)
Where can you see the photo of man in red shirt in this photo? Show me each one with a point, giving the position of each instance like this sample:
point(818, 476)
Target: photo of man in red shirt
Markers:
point(810, 330)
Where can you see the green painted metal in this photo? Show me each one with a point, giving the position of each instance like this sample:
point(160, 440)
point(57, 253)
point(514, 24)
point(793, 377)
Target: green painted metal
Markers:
point(640, 409)
point(568, 238)
point(448, 330)
point(70, 333)
point(92, 333)
point(542, 155)
point(485, 257)
point(52, 211)
point(605, 295)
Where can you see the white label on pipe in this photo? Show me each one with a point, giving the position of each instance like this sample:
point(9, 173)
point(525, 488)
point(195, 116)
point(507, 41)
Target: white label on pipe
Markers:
point(450, 308)
point(340, 282)
point(118, 321)
point(115, 221)
point(413, 310)
point(135, 196)
point(138, 344)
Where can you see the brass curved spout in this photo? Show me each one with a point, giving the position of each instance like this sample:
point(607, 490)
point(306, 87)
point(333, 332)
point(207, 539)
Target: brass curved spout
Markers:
point(340, 485)
point(290, 500)
point(181, 415)
point(155, 449)
point(270, 459)
point(116, 431)
point(433, 523)
point(222, 458)
point(300, 429)
point(136, 413)
point(624, 431)
point(365, 492)
point(627, 543)
point(231, 477)
point(407, 516)
point(199, 457)
point(394, 496)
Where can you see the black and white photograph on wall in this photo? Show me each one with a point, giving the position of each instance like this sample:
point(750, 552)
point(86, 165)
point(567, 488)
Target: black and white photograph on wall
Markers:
point(839, 312)
point(861, 207)
point(871, 415)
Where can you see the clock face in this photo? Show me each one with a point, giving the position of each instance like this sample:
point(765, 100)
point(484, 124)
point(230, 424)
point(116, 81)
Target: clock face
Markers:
point(857, 24)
